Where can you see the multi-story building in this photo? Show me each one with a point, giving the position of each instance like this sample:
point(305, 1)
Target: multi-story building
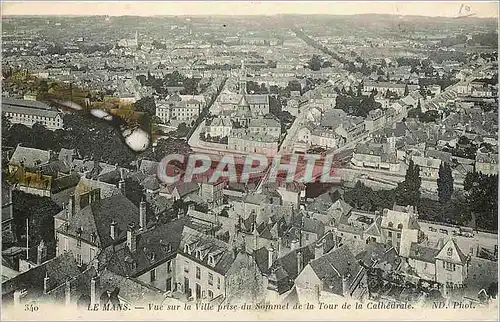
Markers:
point(212, 193)
point(180, 107)
point(88, 224)
point(29, 112)
point(486, 163)
point(265, 126)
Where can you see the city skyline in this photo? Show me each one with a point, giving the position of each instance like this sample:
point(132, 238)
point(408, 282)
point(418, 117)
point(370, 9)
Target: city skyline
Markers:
point(450, 9)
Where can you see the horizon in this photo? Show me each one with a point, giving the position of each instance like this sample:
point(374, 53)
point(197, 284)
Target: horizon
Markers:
point(447, 9)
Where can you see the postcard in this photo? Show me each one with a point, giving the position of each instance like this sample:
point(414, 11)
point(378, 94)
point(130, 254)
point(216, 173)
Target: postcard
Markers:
point(241, 160)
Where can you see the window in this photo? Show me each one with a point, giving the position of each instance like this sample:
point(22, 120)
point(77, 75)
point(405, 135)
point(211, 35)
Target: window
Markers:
point(400, 226)
point(398, 235)
point(389, 234)
point(187, 250)
point(210, 294)
point(210, 279)
point(152, 274)
point(425, 265)
point(169, 267)
point(391, 224)
point(218, 283)
point(79, 243)
point(79, 259)
point(449, 251)
point(66, 244)
point(186, 267)
point(198, 273)
point(449, 266)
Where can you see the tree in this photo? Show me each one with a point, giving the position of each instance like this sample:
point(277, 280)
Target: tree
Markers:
point(182, 130)
point(408, 191)
point(314, 63)
point(445, 183)
point(40, 213)
point(146, 105)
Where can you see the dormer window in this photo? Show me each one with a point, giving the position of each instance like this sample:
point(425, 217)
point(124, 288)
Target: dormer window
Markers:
point(211, 260)
point(449, 251)
point(187, 249)
point(93, 237)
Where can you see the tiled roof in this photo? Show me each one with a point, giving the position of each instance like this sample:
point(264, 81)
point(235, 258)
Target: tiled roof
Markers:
point(422, 253)
point(154, 246)
point(208, 246)
point(332, 267)
point(96, 219)
point(58, 270)
point(29, 156)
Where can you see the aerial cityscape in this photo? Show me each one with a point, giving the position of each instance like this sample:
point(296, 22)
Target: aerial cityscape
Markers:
point(274, 160)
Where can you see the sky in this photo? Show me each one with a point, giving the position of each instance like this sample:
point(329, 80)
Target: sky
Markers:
point(192, 8)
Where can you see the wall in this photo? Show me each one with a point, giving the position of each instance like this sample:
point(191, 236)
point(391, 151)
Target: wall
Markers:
point(85, 249)
point(162, 275)
point(181, 262)
point(244, 282)
point(424, 269)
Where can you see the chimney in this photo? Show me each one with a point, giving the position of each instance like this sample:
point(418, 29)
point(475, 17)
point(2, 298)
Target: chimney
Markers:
point(345, 286)
point(46, 283)
point(71, 206)
point(113, 228)
point(270, 256)
point(18, 294)
point(319, 248)
point(142, 214)
point(299, 262)
point(67, 292)
point(94, 195)
point(121, 183)
point(131, 238)
point(121, 186)
point(94, 289)
point(294, 244)
point(41, 254)
point(316, 293)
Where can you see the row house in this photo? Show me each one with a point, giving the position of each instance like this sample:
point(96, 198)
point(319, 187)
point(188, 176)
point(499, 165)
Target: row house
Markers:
point(180, 107)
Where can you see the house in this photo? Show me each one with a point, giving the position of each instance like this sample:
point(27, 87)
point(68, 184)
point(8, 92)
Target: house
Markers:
point(28, 112)
point(28, 157)
point(180, 107)
point(212, 193)
point(208, 268)
point(266, 126)
point(394, 221)
point(218, 127)
point(429, 167)
point(486, 163)
point(88, 224)
point(335, 275)
point(445, 264)
point(179, 190)
point(376, 156)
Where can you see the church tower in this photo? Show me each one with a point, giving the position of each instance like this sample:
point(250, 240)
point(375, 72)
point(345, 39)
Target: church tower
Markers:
point(243, 75)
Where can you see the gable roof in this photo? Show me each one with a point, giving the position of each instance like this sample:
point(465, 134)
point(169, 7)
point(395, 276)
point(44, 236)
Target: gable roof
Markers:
point(58, 270)
point(96, 219)
point(30, 157)
point(335, 265)
point(154, 246)
point(457, 256)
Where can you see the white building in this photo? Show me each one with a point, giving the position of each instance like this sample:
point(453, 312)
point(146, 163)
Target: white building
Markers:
point(29, 112)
